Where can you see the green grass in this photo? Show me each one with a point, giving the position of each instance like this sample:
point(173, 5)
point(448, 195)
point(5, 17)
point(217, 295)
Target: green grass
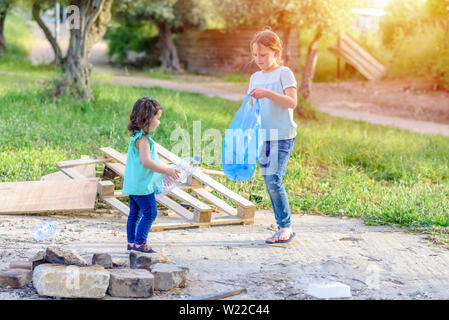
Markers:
point(18, 45)
point(235, 77)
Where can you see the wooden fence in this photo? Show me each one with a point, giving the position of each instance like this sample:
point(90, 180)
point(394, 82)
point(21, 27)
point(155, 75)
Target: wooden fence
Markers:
point(216, 51)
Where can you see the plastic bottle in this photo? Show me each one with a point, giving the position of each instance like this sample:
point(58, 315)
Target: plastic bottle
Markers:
point(43, 230)
point(187, 166)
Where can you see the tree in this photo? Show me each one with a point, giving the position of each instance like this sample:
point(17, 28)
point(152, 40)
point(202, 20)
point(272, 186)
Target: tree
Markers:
point(170, 16)
point(4, 6)
point(278, 14)
point(37, 6)
point(323, 16)
point(438, 9)
point(88, 20)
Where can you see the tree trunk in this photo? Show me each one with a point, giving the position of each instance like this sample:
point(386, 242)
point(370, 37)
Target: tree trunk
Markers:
point(287, 32)
point(59, 59)
point(169, 54)
point(3, 11)
point(94, 17)
point(309, 69)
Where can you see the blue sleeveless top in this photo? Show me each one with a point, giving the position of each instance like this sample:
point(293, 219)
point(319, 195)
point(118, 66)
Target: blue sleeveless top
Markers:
point(138, 179)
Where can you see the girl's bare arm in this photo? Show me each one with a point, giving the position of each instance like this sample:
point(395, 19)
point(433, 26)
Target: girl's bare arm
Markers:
point(288, 100)
point(145, 156)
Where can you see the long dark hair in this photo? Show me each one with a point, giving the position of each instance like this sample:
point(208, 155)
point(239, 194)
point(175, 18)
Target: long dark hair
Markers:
point(143, 112)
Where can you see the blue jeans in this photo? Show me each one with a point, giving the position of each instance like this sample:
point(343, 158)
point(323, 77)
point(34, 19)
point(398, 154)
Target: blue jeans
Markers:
point(273, 161)
point(143, 208)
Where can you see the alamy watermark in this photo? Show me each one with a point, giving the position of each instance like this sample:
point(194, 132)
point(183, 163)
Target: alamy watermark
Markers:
point(73, 17)
point(240, 147)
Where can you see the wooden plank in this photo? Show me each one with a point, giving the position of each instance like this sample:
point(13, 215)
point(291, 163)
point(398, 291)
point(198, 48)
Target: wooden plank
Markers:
point(117, 204)
point(79, 162)
point(161, 226)
point(213, 172)
point(166, 202)
point(368, 56)
point(156, 227)
point(121, 158)
point(174, 206)
point(204, 178)
point(87, 170)
point(355, 54)
point(219, 203)
point(119, 194)
point(118, 168)
point(76, 175)
point(56, 176)
point(194, 202)
point(47, 196)
point(114, 154)
point(352, 61)
point(229, 220)
point(246, 213)
point(105, 189)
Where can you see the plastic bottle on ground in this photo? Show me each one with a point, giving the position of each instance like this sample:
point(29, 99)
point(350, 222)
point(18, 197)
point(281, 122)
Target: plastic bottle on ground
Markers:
point(43, 230)
point(187, 166)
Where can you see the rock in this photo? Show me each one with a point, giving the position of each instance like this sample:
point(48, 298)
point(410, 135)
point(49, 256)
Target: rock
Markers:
point(38, 259)
point(169, 276)
point(140, 260)
point(102, 259)
point(15, 278)
point(27, 265)
point(329, 290)
point(71, 281)
point(58, 255)
point(131, 283)
point(120, 263)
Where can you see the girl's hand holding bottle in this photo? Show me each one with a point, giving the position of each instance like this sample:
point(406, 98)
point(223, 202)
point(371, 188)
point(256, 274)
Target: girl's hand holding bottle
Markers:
point(172, 173)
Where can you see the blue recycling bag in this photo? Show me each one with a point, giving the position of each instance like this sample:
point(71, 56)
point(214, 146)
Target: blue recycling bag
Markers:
point(242, 143)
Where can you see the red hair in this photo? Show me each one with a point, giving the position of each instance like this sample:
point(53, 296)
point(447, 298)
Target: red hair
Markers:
point(270, 40)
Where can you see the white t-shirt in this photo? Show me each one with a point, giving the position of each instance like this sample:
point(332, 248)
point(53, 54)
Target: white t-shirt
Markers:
point(273, 115)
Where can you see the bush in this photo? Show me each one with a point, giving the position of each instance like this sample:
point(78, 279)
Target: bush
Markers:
point(17, 36)
point(423, 54)
point(138, 38)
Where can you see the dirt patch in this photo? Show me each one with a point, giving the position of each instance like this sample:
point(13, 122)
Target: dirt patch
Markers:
point(376, 262)
point(405, 98)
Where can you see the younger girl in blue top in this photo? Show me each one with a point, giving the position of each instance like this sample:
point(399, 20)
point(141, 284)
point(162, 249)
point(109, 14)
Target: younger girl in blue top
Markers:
point(143, 173)
point(275, 87)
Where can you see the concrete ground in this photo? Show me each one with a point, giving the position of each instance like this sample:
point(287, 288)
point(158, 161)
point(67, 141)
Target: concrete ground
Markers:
point(377, 262)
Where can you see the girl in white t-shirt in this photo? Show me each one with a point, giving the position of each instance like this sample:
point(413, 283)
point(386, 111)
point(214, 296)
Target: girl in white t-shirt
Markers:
point(275, 87)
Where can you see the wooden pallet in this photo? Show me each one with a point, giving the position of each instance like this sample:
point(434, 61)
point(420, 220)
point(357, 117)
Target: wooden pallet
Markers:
point(208, 209)
point(350, 51)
